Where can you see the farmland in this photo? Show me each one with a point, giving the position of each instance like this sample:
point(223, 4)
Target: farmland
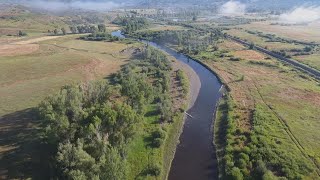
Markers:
point(188, 93)
point(264, 35)
point(262, 110)
point(56, 62)
point(27, 77)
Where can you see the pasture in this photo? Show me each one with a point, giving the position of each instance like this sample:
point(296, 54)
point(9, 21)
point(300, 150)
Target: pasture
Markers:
point(27, 77)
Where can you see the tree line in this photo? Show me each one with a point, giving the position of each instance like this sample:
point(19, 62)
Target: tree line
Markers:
point(253, 154)
point(131, 23)
point(79, 29)
point(88, 127)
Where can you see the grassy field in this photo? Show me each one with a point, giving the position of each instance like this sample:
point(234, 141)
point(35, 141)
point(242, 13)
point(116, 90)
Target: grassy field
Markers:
point(268, 121)
point(142, 155)
point(307, 33)
point(55, 63)
point(276, 103)
point(262, 41)
point(159, 27)
point(25, 79)
point(311, 59)
point(15, 18)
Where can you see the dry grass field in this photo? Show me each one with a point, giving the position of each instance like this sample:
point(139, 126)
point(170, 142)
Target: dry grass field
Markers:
point(159, 27)
point(312, 60)
point(27, 76)
point(289, 97)
point(262, 41)
point(307, 33)
point(32, 69)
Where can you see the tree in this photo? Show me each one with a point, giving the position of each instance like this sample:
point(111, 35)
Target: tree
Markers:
point(194, 18)
point(63, 31)
point(236, 174)
point(56, 31)
point(21, 33)
point(251, 46)
point(73, 29)
point(102, 28)
point(307, 49)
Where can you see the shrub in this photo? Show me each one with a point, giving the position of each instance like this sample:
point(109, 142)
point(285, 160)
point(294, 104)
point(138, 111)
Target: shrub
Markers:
point(157, 142)
point(244, 157)
point(154, 170)
point(235, 174)
point(21, 33)
point(241, 163)
point(158, 137)
point(234, 59)
point(269, 176)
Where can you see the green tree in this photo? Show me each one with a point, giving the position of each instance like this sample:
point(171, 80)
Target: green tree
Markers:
point(73, 29)
point(102, 28)
point(55, 31)
point(63, 30)
point(21, 33)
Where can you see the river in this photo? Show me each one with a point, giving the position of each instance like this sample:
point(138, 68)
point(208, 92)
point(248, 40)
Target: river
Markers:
point(195, 156)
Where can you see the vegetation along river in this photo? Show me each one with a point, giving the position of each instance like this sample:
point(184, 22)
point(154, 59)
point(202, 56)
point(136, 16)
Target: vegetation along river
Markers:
point(195, 156)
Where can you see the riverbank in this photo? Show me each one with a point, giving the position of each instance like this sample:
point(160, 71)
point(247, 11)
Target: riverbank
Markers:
point(196, 138)
point(243, 108)
point(177, 125)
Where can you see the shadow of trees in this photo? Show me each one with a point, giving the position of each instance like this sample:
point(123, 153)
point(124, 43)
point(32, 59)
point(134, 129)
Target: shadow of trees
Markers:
point(22, 153)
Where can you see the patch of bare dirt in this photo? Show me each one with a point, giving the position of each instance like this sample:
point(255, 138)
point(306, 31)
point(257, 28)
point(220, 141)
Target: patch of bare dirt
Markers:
point(231, 45)
point(15, 47)
point(13, 50)
point(241, 94)
point(130, 51)
point(98, 67)
point(291, 93)
point(194, 82)
point(249, 55)
point(35, 40)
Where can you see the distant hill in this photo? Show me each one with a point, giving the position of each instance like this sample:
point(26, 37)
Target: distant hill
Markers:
point(259, 4)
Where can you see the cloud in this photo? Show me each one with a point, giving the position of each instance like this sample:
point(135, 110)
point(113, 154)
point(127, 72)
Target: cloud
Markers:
point(233, 8)
point(62, 6)
point(301, 14)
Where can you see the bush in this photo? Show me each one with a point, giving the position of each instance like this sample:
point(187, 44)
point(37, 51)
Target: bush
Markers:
point(100, 37)
point(21, 33)
point(234, 59)
point(269, 176)
point(157, 142)
point(154, 170)
point(158, 137)
point(159, 134)
point(235, 174)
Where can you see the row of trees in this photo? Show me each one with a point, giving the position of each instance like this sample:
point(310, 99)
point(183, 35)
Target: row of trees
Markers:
point(190, 41)
point(141, 93)
point(62, 31)
point(88, 130)
point(100, 37)
point(132, 23)
point(80, 29)
point(246, 154)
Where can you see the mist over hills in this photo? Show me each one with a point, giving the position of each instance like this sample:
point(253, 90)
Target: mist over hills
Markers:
point(111, 4)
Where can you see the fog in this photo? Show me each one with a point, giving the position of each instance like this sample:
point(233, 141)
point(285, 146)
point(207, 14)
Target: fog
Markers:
point(62, 6)
point(233, 8)
point(301, 14)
